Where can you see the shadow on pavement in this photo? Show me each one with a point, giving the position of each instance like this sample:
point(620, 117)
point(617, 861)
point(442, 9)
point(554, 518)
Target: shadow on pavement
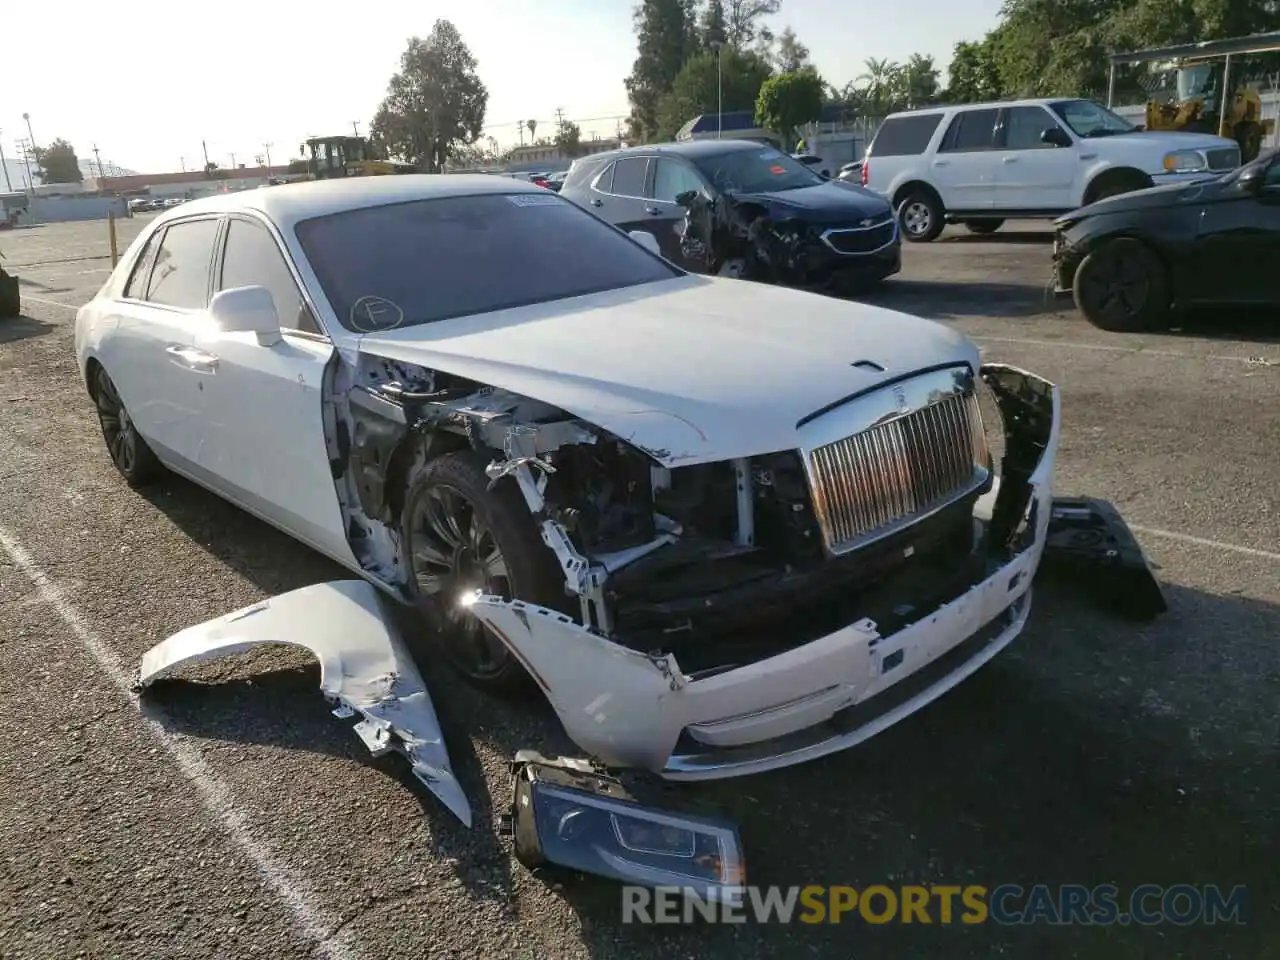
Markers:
point(1000, 237)
point(22, 328)
point(938, 299)
point(1258, 324)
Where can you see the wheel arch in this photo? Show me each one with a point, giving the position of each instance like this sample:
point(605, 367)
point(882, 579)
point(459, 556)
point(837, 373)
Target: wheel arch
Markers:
point(912, 186)
point(1130, 177)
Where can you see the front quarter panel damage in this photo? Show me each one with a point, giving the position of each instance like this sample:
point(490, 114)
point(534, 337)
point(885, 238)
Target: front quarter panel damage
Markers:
point(365, 669)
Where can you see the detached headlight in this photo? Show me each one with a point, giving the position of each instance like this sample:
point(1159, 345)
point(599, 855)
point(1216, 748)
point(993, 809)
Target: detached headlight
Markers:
point(1186, 161)
point(568, 813)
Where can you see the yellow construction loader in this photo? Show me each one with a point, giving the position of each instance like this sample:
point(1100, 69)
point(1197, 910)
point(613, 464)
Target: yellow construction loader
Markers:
point(332, 157)
point(1198, 107)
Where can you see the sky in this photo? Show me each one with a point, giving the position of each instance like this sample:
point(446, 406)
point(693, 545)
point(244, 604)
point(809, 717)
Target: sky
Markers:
point(241, 74)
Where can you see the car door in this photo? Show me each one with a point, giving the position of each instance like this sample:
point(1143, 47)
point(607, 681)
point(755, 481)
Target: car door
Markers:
point(1238, 245)
point(263, 404)
point(617, 194)
point(963, 169)
point(148, 355)
point(672, 177)
point(1032, 174)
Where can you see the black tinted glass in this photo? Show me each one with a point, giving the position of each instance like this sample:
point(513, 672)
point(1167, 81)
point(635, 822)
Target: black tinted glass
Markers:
point(181, 274)
point(758, 170)
point(428, 260)
point(905, 136)
point(972, 130)
point(629, 176)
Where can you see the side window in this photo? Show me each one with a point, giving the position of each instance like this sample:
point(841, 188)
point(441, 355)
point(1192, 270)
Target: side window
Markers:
point(252, 258)
point(673, 178)
point(181, 274)
point(605, 183)
point(905, 136)
point(136, 288)
point(628, 177)
point(970, 130)
point(1023, 126)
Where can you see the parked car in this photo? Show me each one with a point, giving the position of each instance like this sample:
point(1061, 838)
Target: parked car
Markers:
point(851, 172)
point(814, 161)
point(583, 465)
point(556, 180)
point(981, 164)
point(1132, 260)
point(750, 200)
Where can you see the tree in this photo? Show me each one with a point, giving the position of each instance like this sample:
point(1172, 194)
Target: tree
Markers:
point(974, 74)
point(665, 37)
point(58, 163)
point(533, 129)
point(742, 21)
point(711, 24)
point(915, 83)
point(791, 55)
point(788, 100)
point(693, 93)
point(435, 103)
point(569, 139)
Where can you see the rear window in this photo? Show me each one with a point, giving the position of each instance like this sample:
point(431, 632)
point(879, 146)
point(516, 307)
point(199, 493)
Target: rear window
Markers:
point(905, 136)
point(427, 260)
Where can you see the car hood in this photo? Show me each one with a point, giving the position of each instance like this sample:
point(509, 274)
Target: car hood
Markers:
point(830, 202)
point(1169, 140)
point(691, 370)
point(1165, 195)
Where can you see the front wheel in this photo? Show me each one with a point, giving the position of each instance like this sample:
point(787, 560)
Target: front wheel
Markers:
point(921, 217)
point(459, 537)
point(1123, 287)
point(129, 452)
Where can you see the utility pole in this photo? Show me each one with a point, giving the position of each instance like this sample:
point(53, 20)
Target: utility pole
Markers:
point(205, 147)
point(5, 165)
point(233, 161)
point(559, 120)
point(31, 136)
point(98, 160)
point(182, 162)
point(355, 127)
point(267, 147)
point(25, 147)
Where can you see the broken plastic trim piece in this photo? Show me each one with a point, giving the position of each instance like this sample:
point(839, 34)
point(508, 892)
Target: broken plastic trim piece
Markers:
point(365, 669)
point(573, 814)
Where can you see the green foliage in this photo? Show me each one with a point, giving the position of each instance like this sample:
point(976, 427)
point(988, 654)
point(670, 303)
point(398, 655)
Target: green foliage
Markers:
point(742, 74)
point(790, 55)
point(434, 104)
point(58, 163)
point(788, 100)
point(569, 139)
point(665, 38)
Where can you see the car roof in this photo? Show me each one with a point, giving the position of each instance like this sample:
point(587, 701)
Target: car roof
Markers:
point(289, 203)
point(682, 148)
point(989, 104)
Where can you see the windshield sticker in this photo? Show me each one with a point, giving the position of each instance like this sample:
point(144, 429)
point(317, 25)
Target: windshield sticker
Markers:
point(374, 314)
point(777, 169)
point(533, 199)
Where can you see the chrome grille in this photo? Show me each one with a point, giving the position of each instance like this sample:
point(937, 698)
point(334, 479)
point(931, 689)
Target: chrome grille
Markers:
point(1224, 158)
point(895, 472)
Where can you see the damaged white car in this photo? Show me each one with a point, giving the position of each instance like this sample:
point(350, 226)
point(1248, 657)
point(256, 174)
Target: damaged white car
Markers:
point(724, 527)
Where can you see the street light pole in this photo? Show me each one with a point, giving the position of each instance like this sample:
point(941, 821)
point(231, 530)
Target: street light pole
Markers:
point(267, 147)
point(5, 165)
point(719, 45)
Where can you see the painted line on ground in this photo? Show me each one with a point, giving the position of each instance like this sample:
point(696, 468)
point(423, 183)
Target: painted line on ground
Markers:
point(1108, 348)
point(48, 303)
point(314, 921)
point(1206, 542)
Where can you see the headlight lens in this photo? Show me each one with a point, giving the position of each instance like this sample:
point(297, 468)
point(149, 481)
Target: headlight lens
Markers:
point(583, 821)
point(1185, 161)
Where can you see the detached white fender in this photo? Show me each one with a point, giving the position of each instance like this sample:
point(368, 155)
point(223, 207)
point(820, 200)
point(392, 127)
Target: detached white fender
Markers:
point(364, 667)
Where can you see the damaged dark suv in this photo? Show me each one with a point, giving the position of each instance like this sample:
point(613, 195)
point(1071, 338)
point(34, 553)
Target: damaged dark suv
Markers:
point(741, 208)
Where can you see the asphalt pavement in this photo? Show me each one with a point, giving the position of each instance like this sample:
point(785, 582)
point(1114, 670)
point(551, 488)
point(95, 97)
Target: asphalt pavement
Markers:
point(232, 816)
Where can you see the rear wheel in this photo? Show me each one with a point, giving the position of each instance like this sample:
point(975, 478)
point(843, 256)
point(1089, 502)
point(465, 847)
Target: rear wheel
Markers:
point(921, 217)
point(1122, 286)
point(1249, 136)
point(129, 452)
point(983, 226)
point(459, 536)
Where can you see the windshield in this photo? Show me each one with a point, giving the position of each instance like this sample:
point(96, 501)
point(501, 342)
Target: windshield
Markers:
point(1194, 81)
point(427, 260)
point(1089, 119)
point(762, 170)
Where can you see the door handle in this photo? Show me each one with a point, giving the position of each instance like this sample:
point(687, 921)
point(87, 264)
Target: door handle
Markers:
point(595, 202)
point(1008, 159)
point(653, 211)
point(939, 163)
point(191, 358)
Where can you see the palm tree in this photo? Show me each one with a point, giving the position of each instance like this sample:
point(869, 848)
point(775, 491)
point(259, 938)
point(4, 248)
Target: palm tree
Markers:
point(533, 130)
point(876, 82)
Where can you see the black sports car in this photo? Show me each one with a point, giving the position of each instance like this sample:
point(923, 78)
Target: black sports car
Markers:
point(1133, 260)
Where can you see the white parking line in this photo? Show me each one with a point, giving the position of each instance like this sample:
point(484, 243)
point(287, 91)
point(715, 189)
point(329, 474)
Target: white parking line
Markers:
point(313, 920)
point(1108, 348)
point(1204, 542)
point(50, 303)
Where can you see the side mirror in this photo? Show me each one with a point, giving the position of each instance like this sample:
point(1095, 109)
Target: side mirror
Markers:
point(1252, 178)
point(646, 240)
point(686, 198)
point(1055, 136)
point(247, 310)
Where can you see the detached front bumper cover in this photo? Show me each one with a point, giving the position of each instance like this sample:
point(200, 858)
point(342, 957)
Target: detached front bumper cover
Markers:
point(365, 669)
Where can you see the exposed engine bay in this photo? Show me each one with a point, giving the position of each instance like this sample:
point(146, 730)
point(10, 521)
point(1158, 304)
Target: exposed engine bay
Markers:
point(707, 559)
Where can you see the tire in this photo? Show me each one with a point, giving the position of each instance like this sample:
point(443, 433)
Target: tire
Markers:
point(129, 453)
point(983, 227)
point(450, 521)
point(1115, 190)
point(921, 217)
point(1123, 286)
point(1249, 136)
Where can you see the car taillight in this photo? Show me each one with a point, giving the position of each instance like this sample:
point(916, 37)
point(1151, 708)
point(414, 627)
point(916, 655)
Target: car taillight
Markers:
point(866, 170)
point(541, 183)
